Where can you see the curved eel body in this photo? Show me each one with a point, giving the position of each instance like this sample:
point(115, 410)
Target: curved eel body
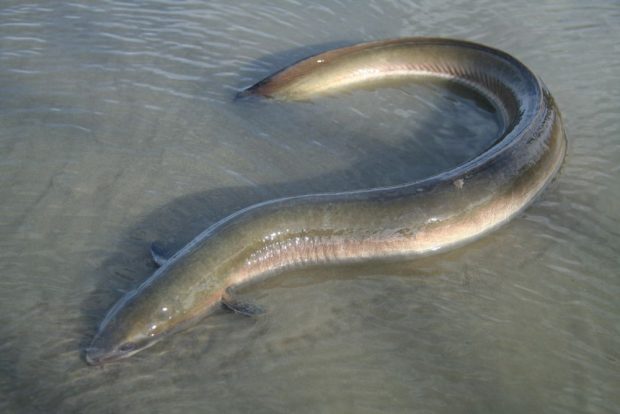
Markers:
point(407, 220)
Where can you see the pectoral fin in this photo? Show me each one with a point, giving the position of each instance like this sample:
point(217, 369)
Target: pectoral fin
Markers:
point(159, 254)
point(243, 308)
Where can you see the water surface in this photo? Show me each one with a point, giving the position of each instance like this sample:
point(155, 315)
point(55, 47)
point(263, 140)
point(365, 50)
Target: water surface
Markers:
point(118, 127)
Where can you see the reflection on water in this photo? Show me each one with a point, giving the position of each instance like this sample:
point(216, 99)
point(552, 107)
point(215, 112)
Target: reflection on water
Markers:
point(118, 127)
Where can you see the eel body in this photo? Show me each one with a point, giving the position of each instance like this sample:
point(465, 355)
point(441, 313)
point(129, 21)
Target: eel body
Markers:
point(403, 221)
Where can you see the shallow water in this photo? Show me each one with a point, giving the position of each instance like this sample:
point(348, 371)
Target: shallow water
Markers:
point(118, 127)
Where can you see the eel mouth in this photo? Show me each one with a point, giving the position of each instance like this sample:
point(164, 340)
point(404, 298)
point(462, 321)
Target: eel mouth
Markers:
point(97, 356)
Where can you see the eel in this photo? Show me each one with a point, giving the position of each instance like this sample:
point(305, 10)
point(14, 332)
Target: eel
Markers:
point(401, 221)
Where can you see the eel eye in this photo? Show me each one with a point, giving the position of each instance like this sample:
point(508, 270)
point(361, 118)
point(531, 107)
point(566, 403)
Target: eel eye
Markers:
point(127, 346)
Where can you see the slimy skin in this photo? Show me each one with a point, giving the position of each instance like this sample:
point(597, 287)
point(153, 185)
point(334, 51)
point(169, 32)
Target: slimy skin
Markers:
point(403, 221)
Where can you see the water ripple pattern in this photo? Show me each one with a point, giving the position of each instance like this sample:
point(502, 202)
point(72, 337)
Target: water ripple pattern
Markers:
point(118, 127)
